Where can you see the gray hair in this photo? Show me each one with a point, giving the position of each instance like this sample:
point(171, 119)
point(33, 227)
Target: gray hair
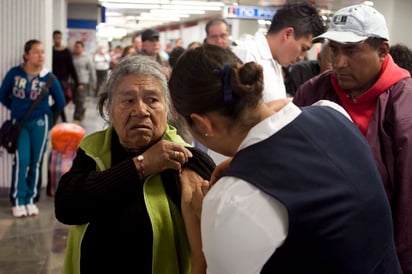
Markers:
point(131, 65)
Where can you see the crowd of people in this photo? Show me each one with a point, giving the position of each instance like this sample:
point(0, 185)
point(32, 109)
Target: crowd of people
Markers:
point(316, 183)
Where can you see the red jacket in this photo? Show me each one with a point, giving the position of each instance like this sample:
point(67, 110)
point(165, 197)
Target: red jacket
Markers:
point(389, 135)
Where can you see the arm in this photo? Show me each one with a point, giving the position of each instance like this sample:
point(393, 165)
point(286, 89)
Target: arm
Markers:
point(401, 149)
point(57, 94)
point(92, 72)
point(193, 190)
point(6, 90)
point(71, 68)
point(84, 193)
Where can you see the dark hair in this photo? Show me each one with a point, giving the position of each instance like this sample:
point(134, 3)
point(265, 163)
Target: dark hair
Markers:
point(402, 56)
point(302, 17)
point(80, 43)
point(126, 50)
point(175, 54)
point(28, 45)
point(215, 21)
point(210, 78)
point(57, 32)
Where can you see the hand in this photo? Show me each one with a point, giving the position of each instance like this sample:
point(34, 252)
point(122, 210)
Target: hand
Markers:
point(217, 172)
point(278, 104)
point(163, 155)
point(194, 189)
point(80, 87)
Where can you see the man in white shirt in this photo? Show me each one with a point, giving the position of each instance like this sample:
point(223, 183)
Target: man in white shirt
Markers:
point(288, 39)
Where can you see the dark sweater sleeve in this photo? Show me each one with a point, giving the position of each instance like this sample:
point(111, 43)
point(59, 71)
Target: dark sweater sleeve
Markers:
point(82, 191)
point(71, 68)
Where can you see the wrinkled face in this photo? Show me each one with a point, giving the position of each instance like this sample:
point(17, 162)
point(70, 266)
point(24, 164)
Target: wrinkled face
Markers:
point(138, 112)
point(218, 35)
point(294, 50)
point(356, 66)
point(35, 56)
point(152, 46)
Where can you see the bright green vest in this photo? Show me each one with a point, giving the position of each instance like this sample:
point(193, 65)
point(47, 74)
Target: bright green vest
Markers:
point(171, 252)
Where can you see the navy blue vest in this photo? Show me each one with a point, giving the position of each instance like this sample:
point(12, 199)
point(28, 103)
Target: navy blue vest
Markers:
point(321, 168)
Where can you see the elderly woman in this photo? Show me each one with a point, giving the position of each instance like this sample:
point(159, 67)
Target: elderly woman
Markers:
point(123, 195)
point(302, 193)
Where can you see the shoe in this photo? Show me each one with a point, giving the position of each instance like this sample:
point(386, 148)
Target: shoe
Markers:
point(19, 211)
point(32, 210)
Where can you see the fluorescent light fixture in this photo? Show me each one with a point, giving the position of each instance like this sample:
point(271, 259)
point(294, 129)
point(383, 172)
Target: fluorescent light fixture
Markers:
point(163, 15)
point(198, 3)
point(136, 1)
point(156, 11)
point(369, 3)
point(147, 18)
point(111, 5)
point(187, 7)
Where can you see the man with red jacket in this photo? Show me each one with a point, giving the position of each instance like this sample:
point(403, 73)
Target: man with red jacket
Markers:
point(377, 94)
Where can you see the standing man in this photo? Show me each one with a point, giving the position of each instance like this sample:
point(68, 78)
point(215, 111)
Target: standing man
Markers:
point(377, 94)
point(288, 39)
point(217, 32)
point(87, 79)
point(151, 47)
point(63, 68)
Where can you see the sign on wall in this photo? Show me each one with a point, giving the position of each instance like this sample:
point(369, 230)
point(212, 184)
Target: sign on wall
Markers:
point(249, 12)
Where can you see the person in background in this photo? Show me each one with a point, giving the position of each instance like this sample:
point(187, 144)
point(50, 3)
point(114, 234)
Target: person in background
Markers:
point(377, 94)
point(174, 55)
point(101, 61)
point(299, 72)
point(217, 32)
point(137, 43)
point(402, 56)
point(128, 51)
point(151, 47)
point(128, 193)
point(179, 43)
point(194, 44)
point(64, 70)
point(20, 87)
point(115, 56)
point(87, 80)
point(288, 39)
point(307, 218)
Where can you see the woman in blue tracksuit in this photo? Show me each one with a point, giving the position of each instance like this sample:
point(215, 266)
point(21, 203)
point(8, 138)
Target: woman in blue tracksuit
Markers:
point(20, 88)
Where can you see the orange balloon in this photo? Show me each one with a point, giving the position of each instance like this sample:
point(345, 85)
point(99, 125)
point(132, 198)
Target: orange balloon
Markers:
point(66, 137)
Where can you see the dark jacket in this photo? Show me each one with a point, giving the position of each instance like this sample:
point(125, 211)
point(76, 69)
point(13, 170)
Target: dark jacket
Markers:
point(389, 135)
point(322, 170)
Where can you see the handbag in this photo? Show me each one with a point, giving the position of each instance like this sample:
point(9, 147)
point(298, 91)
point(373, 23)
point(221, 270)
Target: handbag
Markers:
point(10, 130)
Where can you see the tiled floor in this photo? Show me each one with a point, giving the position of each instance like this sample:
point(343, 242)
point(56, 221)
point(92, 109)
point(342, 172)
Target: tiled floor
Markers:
point(35, 245)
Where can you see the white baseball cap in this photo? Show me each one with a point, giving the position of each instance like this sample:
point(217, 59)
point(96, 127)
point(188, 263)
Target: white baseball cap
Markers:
point(355, 24)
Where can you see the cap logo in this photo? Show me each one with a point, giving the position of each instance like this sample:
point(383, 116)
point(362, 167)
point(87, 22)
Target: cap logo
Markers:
point(340, 19)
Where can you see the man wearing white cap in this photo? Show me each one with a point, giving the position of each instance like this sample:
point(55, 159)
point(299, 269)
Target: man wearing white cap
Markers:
point(377, 94)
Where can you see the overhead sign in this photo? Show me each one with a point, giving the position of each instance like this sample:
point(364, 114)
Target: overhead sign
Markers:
point(249, 12)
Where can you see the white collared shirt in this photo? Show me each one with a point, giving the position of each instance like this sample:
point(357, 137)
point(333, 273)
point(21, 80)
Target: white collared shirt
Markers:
point(241, 225)
point(257, 50)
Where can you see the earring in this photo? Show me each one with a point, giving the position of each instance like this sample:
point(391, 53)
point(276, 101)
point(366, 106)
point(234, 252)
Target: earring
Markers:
point(206, 134)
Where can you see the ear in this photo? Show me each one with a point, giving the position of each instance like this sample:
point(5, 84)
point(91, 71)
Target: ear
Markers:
point(202, 124)
point(383, 50)
point(288, 32)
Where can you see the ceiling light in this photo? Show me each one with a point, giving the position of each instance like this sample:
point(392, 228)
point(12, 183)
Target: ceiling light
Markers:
point(155, 11)
point(369, 3)
point(111, 5)
point(198, 3)
point(187, 7)
point(152, 18)
point(163, 15)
